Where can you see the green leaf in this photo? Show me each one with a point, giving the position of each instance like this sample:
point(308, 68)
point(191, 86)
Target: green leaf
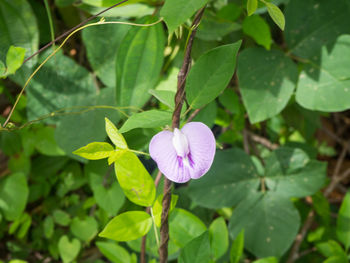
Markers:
point(237, 248)
point(331, 249)
point(2, 69)
point(266, 232)
point(257, 28)
point(214, 28)
point(84, 229)
point(176, 12)
point(211, 74)
point(207, 114)
point(251, 6)
point(62, 82)
point(324, 83)
point(343, 222)
point(219, 188)
point(69, 133)
point(265, 92)
point(95, 151)
point(307, 30)
point(147, 119)
point(128, 226)
point(290, 173)
point(110, 196)
point(218, 236)
point(136, 182)
point(197, 250)
point(114, 252)
point(157, 207)
point(266, 260)
point(115, 156)
point(138, 64)
point(13, 195)
point(164, 96)
point(19, 23)
point(115, 136)
point(321, 206)
point(276, 15)
point(230, 101)
point(49, 227)
point(61, 217)
point(184, 226)
point(69, 250)
point(102, 59)
point(44, 141)
point(14, 59)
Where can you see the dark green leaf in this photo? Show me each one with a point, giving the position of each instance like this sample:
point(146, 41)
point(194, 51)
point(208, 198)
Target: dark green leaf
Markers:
point(197, 250)
point(343, 222)
point(267, 80)
point(139, 61)
point(211, 74)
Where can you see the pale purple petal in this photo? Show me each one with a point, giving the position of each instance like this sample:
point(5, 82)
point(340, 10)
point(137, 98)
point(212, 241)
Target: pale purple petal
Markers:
point(202, 147)
point(163, 153)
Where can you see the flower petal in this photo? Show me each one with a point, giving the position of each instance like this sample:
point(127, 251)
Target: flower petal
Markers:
point(202, 147)
point(163, 153)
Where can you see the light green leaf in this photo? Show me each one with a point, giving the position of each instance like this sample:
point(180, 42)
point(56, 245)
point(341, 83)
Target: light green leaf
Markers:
point(115, 136)
point(251, 6)
point(136, 182)
point(114, 252)
point(197, 250)
point(218, 236)
point(69, 250)
point(276, 15)
point(237, 248)
point(211, 74)
point(106, 190)
point(343, 222)
point(184, 226)
point(265, 93)
point(219, 188)
point(138, 64)
point(84, 229)
point(128, 226)
point(324, 84)
point(267, 260)
point(115, 156)
point(13, 195)
point(95, 151)
point(49, 227)
point(102, 59)
point(257, 28)
point(157, 207)
point(147, 119)
point(332, 248)
point(14, 59)
point(290, 173)
point(61, 217)
point(164, 96)
point(176, 12)
point(266, 232)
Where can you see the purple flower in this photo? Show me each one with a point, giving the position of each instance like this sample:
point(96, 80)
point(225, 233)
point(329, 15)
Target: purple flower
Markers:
point(184, 154)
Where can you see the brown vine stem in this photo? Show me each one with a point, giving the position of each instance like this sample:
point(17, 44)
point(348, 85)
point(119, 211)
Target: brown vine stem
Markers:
point(179, 100)
point(71, 30)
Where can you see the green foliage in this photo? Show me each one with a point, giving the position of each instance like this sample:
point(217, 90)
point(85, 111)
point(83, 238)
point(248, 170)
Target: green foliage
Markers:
point(98, 102)
point(128, 226)
point(208, 78)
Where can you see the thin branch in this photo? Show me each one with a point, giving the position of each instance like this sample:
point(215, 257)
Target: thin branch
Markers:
point(179, 100)
point(193, 114)
point(71, 30)
point(263, 141)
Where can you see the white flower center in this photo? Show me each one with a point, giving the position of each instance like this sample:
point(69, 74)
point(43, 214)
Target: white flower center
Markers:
point(180, 143)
